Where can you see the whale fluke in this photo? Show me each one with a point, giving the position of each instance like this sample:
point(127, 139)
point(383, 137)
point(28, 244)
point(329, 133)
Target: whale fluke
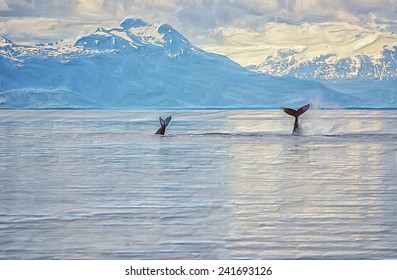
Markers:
point(164, 123)
point(296, 114)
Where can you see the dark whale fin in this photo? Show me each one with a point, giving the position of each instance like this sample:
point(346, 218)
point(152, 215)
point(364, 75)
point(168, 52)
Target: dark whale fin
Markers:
point(161, 130)
point(164, 124)
point(296, 114)
point(167, 120)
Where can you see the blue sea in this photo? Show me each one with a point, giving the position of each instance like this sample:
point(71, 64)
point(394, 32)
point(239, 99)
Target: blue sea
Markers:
point(220, 184)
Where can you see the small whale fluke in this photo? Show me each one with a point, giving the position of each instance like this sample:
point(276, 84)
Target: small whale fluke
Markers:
point(164, 124)
point(296, 114)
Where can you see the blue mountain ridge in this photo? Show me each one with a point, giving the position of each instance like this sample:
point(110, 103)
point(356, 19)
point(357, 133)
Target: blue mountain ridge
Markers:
point(141, 66)
point(358, 67)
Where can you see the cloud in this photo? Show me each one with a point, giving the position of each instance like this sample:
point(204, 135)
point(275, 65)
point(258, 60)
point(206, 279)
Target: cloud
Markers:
point(96, 8)
point(211, 11)
point(40, 29)
point(307, 41)
point(198, 18)
point(4, 6)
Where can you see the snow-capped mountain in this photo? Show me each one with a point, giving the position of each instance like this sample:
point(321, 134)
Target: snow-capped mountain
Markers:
point(323, 50)
point(137, 35)
point(134, 34)
point(140, 65)
point(329, 66)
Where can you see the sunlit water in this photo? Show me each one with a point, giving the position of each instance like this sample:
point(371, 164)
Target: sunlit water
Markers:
point(218, 185)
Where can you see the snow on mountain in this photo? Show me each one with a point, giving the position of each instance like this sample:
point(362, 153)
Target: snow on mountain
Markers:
point(7, 48)
point(62, 51)
point(136, 34)
point(312, 50)
point(329, 66)
point(139, 65)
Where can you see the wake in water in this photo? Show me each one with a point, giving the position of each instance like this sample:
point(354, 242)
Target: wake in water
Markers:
point(352, 124)
point(379, 137)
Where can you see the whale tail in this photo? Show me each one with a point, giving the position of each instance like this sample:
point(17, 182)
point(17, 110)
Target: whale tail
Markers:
point(164, 123)
point(296, 114)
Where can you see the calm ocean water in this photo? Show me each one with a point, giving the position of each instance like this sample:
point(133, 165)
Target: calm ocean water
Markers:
point(219, 185)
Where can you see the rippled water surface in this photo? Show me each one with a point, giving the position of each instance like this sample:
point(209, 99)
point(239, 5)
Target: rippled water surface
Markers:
point(218, 185)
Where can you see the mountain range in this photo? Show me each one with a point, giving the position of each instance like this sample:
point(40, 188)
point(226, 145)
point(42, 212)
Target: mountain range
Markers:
point(329, 66)
point(316, 50)
point(140, 66)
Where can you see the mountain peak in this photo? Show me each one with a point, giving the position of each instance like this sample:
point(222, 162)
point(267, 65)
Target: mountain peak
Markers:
point(5, 42)
point(170, 33)
point(136, 34)
point(165, 28)
point(139, 65)
point(129, 23)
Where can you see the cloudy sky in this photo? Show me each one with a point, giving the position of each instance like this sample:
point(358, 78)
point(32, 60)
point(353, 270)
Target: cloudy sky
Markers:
point(219, 25)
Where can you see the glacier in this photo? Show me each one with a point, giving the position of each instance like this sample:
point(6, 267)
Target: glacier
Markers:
point(143, 66)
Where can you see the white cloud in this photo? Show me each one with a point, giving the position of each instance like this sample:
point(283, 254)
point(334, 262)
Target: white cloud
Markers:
point(4, 6)
point(196, 19)
point(308, 40)
point(217, 11)
point(37, 29)
point(96, 8)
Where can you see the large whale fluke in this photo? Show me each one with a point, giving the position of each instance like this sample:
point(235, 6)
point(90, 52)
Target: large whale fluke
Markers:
point(296, 114)
point(164, 123)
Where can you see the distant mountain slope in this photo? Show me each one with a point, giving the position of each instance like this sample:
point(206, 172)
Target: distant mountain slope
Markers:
point(139, 65)
point(316, 50)
point(329, 66)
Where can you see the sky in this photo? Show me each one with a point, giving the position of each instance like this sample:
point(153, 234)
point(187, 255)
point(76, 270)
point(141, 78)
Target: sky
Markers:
point(223, 26)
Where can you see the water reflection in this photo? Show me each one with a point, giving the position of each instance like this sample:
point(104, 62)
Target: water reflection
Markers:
point(304, 197)
point(219, 185)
